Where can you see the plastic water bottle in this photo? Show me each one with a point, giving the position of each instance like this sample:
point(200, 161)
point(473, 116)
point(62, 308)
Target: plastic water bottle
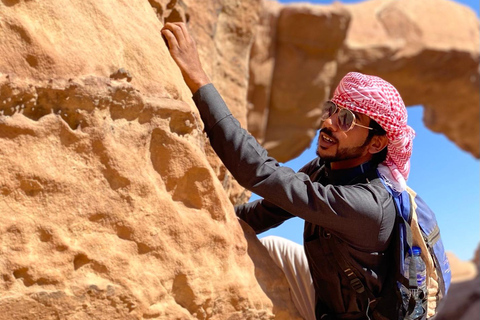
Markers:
point(420, 293)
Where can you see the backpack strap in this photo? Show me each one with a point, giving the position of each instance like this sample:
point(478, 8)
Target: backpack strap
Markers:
point(419, 238)
point(402, 241)
point(404, 206)
point(347, 269)
point(426, 242)
point(339, 252)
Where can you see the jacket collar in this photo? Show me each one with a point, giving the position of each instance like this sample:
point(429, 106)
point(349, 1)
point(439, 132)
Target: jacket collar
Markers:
point(348, 176)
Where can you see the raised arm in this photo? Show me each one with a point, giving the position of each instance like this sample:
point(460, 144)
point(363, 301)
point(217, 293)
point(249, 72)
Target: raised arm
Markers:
point(263, 215)
point(354, 212)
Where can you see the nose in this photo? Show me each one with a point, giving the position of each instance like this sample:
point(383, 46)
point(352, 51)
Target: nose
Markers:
point(331, 122)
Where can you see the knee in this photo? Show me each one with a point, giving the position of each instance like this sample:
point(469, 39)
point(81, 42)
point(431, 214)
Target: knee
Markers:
point(274, 243)
point(271, 239)
point(280, 245)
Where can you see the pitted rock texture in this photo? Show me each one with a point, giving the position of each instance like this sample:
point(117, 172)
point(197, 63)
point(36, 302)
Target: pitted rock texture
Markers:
point(113, 204)
point(46, 40)
point(429, 50)
point(110, 210)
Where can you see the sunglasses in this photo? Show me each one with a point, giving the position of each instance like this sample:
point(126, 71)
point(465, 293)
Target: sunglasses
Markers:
point(346, 119)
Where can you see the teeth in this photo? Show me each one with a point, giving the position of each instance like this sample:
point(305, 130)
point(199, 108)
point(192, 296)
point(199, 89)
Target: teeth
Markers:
point(327, 139)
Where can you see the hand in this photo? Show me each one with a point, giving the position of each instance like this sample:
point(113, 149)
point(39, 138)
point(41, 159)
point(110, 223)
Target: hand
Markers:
point(184, 52)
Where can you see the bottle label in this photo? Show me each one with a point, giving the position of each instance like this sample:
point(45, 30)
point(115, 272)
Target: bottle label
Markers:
point(420, 279)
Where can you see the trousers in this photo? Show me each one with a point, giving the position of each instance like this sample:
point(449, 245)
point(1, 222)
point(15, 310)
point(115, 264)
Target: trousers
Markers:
point(290, 257)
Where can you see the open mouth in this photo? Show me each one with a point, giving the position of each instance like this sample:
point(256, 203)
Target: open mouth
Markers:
point(327, 138)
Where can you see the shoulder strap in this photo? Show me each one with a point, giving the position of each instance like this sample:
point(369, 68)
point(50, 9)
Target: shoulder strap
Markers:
point(404, 206)
point(347, 269)
point(419, 237)
point(339, 252)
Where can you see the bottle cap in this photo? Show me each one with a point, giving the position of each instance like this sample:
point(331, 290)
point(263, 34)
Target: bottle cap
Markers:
point(416, 251)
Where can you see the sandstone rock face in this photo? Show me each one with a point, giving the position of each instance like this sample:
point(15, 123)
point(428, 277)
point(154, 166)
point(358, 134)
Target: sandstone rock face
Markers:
point(66, 39)
point(261, 66)
point(463, 299)
point(111, 207)
point(462, 270)
point(114, 205)
point(297, 68)
point(429, 50)
point(223, 30)
point(462, 302)
point(111, 211)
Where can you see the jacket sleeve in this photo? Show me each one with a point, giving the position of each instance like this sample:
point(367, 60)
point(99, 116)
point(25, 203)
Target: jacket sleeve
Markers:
point(262, 215)
point(353, 212)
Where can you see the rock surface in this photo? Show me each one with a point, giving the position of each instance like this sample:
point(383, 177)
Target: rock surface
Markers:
point(112, 211)
point(432, 59)
point(462, 302)
point(463, 299)
point(113, 204)
point(462, 270)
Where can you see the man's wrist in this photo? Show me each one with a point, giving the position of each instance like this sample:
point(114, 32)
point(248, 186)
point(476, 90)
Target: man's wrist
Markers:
point(196, 82)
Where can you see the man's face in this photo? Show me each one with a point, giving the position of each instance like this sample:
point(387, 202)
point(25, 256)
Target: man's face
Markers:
point(344, 149)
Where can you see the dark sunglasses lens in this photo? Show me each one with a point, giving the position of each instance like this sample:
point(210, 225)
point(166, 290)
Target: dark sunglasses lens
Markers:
point(328, 109)
point(345, 119)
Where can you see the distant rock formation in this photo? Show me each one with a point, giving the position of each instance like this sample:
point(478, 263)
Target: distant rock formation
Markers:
point(463, 299)
point(114, 205)
point(429, 50)
point(462, 302)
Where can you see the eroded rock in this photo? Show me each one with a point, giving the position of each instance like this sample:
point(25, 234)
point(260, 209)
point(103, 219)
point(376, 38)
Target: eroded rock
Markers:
point(432, 59)
point(111, 210)
point(112, 206)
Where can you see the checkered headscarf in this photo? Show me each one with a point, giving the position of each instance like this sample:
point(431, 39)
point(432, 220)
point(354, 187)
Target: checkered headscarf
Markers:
point(380, 101)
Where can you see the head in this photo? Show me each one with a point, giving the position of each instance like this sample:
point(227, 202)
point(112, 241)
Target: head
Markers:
point(364, 139)
point(380, 133)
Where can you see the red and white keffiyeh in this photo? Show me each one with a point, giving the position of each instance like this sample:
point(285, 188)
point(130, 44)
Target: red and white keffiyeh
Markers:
point(380, 101)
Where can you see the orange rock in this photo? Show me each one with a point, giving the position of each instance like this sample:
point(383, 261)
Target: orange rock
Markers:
point(461, 270)
point(110, 206)
point(429, 50)
point(114, 206)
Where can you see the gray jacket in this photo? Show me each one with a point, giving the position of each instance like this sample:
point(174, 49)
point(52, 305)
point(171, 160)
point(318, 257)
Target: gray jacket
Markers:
point(350, 207)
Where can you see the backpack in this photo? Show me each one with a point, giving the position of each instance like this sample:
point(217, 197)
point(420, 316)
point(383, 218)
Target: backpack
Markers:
point(415, 224)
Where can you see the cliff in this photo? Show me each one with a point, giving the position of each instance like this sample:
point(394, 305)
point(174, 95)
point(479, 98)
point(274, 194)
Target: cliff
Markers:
point(301, 51)
point(113, 204)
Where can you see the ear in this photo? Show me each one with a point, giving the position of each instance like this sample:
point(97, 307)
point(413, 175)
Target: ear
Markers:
point(377, 144)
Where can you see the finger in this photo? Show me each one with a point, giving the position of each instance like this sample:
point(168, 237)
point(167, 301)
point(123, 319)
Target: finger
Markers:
point(183, 27)
point(170, 37)
point(177, 32)
point(165, 40)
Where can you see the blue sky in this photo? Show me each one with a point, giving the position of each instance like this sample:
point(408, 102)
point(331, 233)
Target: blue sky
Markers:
point(474, 4)
point(448, 182)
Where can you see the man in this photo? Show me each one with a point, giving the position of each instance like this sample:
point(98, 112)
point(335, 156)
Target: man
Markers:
point(349, 215)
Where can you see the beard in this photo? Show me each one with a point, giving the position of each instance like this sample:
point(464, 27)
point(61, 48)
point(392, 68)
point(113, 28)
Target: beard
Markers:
point(343, 153)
